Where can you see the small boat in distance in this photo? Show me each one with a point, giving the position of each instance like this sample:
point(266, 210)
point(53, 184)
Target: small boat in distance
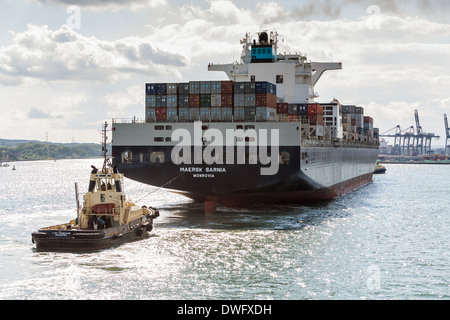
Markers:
point(107, 218)
point(379, 168)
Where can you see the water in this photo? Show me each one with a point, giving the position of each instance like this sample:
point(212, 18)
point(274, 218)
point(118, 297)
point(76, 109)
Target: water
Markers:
point(388, 240)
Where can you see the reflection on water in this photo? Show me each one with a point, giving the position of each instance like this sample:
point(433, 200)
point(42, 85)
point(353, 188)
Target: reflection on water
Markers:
point(323, 251)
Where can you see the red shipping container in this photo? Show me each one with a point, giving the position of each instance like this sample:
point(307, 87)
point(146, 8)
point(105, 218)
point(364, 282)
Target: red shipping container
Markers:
point(315, 119)
point(161, 114)
point(272, 101)
point(315, 109)
point(266, 100)
point(227, 100)
point(282, 108)
point(368, 120)
point(227, 87)
point(292, 117)
point(261, 99)
point(194, 100)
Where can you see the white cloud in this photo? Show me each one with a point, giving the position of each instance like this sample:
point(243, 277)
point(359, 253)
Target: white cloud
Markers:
point(389, 71)
point(66, 55)
point(107, 5)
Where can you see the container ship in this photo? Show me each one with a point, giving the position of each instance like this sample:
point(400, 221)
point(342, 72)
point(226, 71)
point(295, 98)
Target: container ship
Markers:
point(258, 138)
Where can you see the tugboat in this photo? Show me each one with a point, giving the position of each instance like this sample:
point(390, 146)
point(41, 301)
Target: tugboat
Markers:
point(106, 218)
point(379, 168)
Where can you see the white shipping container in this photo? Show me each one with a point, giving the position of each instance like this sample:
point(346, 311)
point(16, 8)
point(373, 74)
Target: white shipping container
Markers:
point(216, 100)
point(172, 88)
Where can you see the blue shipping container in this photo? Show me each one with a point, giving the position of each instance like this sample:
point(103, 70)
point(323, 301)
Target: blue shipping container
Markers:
point(216, 114)
point(150, 101)
point(150, 115)
point(172, 101)
point(183, 88)
point(194, 87)
point(250, 100)
point(183, 114)
point(172, 114)
point(265, 87)
point(205, 113)
point(194, 114)
point(239, 113)
point(249, 113)
point(227, 114)
point(150, 88)
point(303, 109)
point(205, 87)
point(161, 88)
point(183, 101)
point(216, 86)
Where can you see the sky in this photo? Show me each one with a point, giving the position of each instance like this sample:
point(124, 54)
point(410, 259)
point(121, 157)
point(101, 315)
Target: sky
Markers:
point(67, 66)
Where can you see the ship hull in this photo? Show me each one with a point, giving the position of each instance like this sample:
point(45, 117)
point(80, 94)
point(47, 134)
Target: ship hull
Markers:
point(314, 172)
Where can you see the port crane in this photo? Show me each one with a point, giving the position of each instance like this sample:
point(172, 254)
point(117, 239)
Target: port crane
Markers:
point(411, 141)
point(447, 133)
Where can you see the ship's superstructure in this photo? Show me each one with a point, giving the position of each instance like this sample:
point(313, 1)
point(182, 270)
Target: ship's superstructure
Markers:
point(293, 75)
point(258, 138)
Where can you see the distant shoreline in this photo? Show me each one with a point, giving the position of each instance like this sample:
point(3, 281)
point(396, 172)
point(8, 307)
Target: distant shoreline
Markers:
point(34, 151)
point(416, 162)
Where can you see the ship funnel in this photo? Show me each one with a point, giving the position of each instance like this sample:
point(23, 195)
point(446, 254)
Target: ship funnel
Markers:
point(263, 37)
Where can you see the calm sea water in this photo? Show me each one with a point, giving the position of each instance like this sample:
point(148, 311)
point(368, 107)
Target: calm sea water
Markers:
point(388, 240)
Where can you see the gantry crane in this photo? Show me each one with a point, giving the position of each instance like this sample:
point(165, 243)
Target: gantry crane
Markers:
point(423, 139)
point(447, 138)
point(411, 141)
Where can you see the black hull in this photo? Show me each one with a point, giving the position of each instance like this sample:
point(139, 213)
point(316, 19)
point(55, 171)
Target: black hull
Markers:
point(325, 173)
point(89, 240)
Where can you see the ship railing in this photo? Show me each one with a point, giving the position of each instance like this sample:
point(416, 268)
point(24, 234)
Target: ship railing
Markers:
point(127, 120)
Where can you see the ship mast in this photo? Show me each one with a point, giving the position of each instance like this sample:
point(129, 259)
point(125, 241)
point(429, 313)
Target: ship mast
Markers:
point(106, 161)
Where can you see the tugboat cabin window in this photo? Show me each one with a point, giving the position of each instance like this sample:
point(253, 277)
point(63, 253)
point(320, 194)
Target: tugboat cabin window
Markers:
point(159, 127)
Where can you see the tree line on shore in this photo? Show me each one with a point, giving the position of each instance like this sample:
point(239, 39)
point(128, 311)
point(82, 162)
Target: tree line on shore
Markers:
point(49, 151)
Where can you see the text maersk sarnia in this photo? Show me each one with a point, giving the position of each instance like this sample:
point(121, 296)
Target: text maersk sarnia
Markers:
point(200, 170)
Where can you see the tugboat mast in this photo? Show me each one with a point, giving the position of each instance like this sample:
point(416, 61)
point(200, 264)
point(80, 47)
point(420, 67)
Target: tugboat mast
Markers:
point(106, 161)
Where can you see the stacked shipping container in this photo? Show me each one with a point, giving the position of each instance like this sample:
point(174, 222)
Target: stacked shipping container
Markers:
point(356, 125)
point(219, 101)
point(210, 101)
point(307, 113)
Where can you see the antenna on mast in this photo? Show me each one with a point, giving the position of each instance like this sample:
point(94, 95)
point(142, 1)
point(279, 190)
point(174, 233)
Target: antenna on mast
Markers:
point(106, 161)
